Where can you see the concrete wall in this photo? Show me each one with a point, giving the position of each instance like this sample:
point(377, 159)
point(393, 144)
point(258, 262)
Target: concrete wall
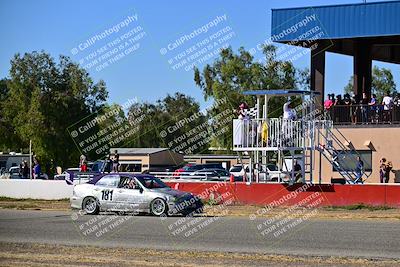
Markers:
point(36, 189)
point(285, 195)
point(383, 142)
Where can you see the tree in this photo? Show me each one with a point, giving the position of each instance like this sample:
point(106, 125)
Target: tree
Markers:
point(382, 83)
point(167, 123)
point(44, 99)
point(232, 73)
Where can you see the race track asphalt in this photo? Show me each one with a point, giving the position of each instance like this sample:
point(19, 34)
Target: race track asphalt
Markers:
point(356, 238)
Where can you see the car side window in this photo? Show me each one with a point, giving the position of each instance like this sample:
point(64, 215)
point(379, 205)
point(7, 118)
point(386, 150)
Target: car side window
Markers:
point(127, 182)
point(109, 181)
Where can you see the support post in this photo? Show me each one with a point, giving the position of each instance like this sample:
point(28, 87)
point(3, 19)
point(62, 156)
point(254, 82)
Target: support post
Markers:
point(362, 68)
point(318, 72)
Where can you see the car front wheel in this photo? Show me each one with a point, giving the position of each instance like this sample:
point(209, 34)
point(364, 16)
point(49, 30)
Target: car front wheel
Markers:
point(90, 206)
point(158, 207)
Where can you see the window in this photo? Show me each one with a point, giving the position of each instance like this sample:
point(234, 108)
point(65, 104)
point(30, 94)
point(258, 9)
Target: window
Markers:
point(127, 182)
point(348, 160)
point(109, 181)
point(151, 182)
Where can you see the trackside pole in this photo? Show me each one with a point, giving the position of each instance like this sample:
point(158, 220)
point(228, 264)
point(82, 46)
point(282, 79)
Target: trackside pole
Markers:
point(30, 159)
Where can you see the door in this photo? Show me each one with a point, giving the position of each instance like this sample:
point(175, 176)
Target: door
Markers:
point(104, 191)
point(128, 194)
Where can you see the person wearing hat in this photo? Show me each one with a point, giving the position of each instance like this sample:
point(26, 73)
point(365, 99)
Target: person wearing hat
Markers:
point(288, 112)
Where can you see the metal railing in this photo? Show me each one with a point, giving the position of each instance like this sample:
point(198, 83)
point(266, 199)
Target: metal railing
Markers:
point(273, 133)
point(363, 114)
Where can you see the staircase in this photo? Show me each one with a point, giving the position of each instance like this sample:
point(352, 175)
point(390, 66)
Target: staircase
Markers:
point(342, 157)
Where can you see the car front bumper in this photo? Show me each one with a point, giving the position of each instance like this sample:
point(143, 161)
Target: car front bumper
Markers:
point(186, 206)
point(76, 202)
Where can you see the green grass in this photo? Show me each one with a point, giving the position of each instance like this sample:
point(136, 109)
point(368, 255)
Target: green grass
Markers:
point(359, 206)
point(31, 199)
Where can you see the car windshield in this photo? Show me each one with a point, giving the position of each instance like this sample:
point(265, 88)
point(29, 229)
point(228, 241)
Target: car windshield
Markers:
point(12, 171)
point(272, 168)
point(151, 182)
point(236, 169)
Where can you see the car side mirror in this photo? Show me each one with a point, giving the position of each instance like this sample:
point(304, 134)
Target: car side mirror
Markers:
point(138, 187)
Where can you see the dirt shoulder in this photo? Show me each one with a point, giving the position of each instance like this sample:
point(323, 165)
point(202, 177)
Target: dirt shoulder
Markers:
point(349, 212)
point(30, 254)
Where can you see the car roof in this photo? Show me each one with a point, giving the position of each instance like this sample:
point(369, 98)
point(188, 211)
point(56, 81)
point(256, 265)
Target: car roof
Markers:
point(131, 175)
point(212, 169)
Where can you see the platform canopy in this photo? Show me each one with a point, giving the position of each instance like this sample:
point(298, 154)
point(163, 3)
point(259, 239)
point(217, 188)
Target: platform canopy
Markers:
point(366, 31)
point(277, 92)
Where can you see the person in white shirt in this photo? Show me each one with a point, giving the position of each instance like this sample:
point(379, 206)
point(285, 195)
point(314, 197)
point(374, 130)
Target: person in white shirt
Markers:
point(288, 112)
point(387, 103)
point(288, 115)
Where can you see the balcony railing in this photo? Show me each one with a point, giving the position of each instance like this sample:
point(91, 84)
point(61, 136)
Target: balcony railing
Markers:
point(363, 114)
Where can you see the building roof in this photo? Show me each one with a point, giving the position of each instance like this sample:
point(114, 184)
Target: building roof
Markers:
point(212, 156)
point(337, 26)
point(339, 21)
point(137, 151)
point(276, 92)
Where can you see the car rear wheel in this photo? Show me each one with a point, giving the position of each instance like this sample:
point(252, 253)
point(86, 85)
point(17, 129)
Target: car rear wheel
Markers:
point(158, 207)
point(90, 206)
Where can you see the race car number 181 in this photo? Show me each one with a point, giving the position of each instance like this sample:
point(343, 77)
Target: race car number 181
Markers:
point(107, 195)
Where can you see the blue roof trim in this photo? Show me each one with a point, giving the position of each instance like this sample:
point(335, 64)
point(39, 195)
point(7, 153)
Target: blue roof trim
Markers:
point(336, 22)
point(280, 92)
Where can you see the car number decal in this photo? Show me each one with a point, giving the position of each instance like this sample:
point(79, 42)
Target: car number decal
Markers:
point(107, 194)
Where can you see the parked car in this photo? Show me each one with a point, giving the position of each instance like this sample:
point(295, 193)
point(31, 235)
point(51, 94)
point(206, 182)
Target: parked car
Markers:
point(189, 168)
point(14, 173)
point(210, 175)
point(127, 192)
point(269, 174)
point(238, 170)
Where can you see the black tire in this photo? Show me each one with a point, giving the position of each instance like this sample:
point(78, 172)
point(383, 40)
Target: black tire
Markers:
point(90, 205)
point(158, 207)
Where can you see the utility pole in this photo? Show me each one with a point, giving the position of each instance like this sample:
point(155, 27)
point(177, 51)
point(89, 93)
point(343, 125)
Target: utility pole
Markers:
point(30, 159)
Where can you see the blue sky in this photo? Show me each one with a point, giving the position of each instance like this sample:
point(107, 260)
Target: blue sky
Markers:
point(58, 27)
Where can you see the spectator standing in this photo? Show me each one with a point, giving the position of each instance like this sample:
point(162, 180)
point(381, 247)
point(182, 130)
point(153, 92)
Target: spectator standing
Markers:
point(36, 169)
point(115, 161)
point(108, 164)
point(387, 103)
point(297, 171)
point(328, 105)
point(364, 109)
point(389, 167)
point(372, 105)
point(347, 109)
point(25, 169)
point(382, 170)
point(336, 110)
point(242, 112)
point(359, 170)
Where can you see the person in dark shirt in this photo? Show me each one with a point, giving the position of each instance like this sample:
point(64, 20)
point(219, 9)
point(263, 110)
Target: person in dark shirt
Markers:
point(25, 169)
point(115, 161)
point(364, 109)
point(359, 169)
point(373, 109)
point(297, 171)
point(107, 164)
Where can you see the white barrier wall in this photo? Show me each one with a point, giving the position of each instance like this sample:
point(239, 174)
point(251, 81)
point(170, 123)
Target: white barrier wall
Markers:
point(35, 189)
